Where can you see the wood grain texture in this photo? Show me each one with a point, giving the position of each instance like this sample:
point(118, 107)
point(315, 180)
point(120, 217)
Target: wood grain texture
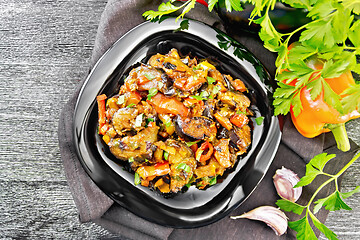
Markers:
point(45, 48)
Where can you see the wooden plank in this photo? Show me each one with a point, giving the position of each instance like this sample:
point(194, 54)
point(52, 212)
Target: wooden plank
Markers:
point(45, 48)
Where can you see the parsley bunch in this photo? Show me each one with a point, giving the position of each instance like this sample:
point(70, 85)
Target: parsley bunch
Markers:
point(334, 201)
point(332, 35)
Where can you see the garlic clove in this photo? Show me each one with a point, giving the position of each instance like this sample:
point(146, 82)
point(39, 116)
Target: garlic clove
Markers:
point(284, 181)
point(272, 216)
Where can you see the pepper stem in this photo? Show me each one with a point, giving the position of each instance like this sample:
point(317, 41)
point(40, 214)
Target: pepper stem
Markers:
point(340, 136)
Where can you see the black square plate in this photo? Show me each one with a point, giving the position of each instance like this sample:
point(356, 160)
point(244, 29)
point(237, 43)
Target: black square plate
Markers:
point(193, 208)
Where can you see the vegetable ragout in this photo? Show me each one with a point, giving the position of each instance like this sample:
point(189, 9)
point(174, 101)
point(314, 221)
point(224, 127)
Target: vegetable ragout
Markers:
point(177, 121)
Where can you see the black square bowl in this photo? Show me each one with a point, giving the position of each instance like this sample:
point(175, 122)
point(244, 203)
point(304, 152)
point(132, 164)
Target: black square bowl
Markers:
point(194, 207)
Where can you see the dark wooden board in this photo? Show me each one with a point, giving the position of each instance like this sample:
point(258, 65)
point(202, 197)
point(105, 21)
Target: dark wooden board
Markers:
point(45, 49)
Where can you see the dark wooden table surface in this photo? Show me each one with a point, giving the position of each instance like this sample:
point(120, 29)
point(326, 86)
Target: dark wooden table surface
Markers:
point(45, 49)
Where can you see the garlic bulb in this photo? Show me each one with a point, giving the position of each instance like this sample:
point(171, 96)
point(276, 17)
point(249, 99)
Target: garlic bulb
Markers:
point(272, 216)
point(284, 181)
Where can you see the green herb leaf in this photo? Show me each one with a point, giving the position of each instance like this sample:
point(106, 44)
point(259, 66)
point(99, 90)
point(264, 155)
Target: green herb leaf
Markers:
point(121, 100)
point(131, 105)
point(259, 120)
point(190, 4)
point(240, 112)
point(321, 10)
point(168, 8)
point(303, 229)
point(184, 25)
point(131, 159)
point(210, 80)
point(289, 206)
point(351, 99)
point(354, 33)
point(352, 5)
point(320, 160)
point(318, 31)
point(216, 90)
point(152, 92)
point(168, 122)
point(198, 154)
point(166, 155)
point(150, 120)
point(203, 96)
point(137, 179)
point(348, 194)
point(211, 4)
point(189, 144)
point(314, 168)
point(212, 181)
point(310, 175)
point(327, 232)
point(184, 166)
point(331, 203)
point(331, 97)
point(197, 97)
point(315, 87)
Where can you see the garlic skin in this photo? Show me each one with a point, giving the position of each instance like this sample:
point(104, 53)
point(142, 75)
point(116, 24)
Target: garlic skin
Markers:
point(272, 216)
point(284, 181)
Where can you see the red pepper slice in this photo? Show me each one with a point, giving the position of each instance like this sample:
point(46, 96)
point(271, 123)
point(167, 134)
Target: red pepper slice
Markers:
point(239, 120)
point(207, 148)
point(101, 109)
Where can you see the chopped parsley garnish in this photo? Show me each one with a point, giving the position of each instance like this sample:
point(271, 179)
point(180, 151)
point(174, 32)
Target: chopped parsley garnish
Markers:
point(189, 144)
point(152, 92)
point(240, 112)
point(259, 120)
point(213, 181)
point(198, 154)
point(137, 179)
point(203, 96)
point(184, 166)
point(166, 155)
point(168, 122)
point(210, 80)
point(149, 76)
point(131, 159)
point(216, 89)
point(131, 105)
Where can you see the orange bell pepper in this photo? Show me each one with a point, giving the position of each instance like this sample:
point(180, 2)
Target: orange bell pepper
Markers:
point(317, 116)
point(168, 105)
point(159, 169)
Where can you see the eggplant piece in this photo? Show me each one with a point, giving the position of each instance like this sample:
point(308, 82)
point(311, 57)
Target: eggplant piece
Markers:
point(140, 147)
point(196, 128)
point(240, 138)
point(209, 108)
point(124, 119)
point(227, 79)
point(222, 153)
point(184, 77)
point(235, 99)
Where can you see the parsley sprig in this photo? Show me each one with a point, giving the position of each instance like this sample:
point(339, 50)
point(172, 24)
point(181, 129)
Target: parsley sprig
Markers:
point(332, 35)
point(335, 201)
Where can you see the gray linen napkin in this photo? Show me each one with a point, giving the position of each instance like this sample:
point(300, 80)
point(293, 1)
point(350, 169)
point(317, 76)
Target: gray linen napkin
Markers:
point(118, 17)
